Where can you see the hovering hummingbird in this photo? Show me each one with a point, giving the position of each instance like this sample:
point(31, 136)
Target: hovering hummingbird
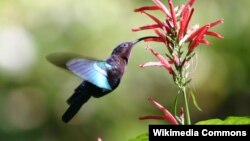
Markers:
point(100, 76)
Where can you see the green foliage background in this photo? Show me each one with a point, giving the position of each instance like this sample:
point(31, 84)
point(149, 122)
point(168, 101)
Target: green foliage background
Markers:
point(33, 92)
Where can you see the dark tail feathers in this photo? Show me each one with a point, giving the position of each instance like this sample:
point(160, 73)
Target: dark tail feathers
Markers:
point(74, 108)
point(75, 101)
point(77, 94)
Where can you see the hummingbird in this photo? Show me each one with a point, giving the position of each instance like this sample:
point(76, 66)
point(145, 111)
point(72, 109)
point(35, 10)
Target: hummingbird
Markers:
point(100, 76)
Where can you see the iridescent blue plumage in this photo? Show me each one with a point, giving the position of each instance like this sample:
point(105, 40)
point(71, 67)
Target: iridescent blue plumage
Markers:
point(94, 71)
point(100, 76)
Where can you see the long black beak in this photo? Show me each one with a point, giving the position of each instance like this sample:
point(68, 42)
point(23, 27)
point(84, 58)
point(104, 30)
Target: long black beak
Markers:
point(143, 38)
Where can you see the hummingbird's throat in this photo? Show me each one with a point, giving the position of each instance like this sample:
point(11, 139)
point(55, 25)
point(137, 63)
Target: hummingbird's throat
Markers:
point(126, 59)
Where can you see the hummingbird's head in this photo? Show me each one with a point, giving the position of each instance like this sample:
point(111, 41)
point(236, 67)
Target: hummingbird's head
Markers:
point(124, 49)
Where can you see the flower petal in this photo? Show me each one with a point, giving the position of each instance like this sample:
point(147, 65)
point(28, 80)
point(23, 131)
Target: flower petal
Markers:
point(216, 23)
point(150, 64)
point(154, 19)
point(204, 41)
point(184, 21)
point(209, 25)
point(189, 18)
point(188, 34)
point(149, 26)
point(171, 5)
point(164, 62)
point(217, 35)
point(167, 114)
point(147, 8)
point(199, 36)
point(190, 3)
point(162, 7)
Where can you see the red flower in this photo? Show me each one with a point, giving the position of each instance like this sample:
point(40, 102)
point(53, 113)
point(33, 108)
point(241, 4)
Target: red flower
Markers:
point(197, 37)
point(166, 114)
point(176, 24)
point(149, 64)
point(149, 26)
point(162, 61)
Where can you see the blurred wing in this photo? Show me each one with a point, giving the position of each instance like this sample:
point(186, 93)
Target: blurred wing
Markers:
point(94, 71)
point(61, 59)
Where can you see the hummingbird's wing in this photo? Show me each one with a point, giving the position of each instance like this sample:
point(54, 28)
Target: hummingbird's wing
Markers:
point(92, 70)
point(61, 58)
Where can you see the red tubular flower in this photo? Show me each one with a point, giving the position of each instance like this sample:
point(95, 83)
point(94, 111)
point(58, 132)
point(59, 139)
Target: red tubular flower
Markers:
point(171, 5)
point(209, 25)
point(188, 20)
point(154, 18)
point(149, 64)
point(198, 36)
point(197, 40)
point(164, 62)
point(162, 7)
point(149, 26)
point(177, 20)
point(167, 115)
point(190, 2)
point(217, 35)
point(141, 9)
point(184, 21)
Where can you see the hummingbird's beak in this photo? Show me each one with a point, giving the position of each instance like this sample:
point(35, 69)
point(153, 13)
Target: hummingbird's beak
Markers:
point(126, 52)
point(143, 38)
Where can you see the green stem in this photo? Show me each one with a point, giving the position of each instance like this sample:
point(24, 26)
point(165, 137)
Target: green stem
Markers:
point(186, 111)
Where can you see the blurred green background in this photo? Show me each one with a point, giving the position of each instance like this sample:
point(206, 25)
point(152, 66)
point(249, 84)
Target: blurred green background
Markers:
point(33, 92)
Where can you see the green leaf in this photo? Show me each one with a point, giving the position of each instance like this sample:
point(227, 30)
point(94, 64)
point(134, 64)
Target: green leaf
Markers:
point(231, 120)
point(142, 137)
point(194, 100)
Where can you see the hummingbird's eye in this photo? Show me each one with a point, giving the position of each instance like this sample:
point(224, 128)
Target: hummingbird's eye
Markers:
point(124, 45)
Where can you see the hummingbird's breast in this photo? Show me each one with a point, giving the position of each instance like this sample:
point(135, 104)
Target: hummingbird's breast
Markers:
point(116, 71)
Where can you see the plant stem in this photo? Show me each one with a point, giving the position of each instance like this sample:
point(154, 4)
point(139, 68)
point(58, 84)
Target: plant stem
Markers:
point(186, 111)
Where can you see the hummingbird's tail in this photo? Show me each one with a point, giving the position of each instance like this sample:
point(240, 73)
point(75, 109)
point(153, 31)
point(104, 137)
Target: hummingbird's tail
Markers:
point(75, 101)
point(77, 94)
